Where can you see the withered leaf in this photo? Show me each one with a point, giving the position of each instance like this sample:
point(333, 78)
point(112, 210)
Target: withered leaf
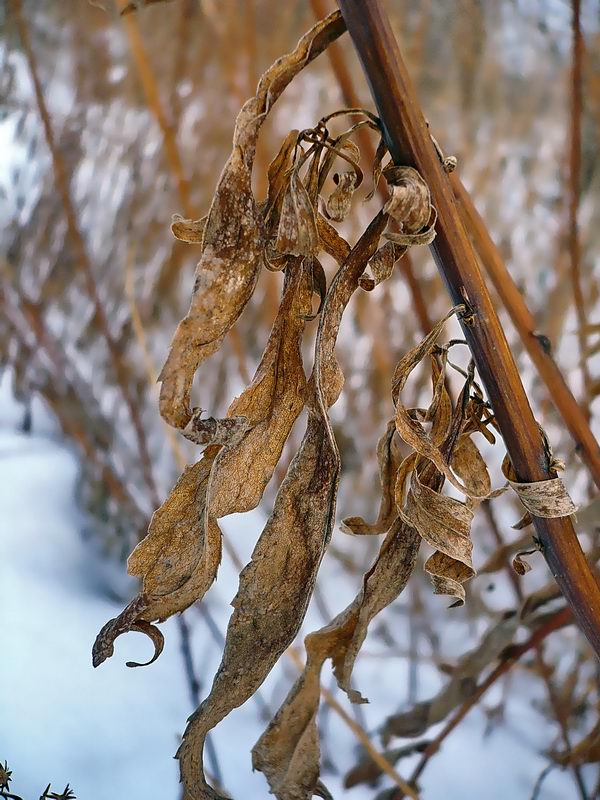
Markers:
point(179, 557)
point(520, 566)
point(410, 203)
point(381, 265)
point(188, 230)
point(225, 279)
point(500, 557)
point(377, 167)
point(288, 751)
point(297, 233)
point(271, 404)
point(409, 429)
point(275, 587)
point(459, 688)
point(388, 458)
point(339, 201)
point(177, 560)
point(234, 237)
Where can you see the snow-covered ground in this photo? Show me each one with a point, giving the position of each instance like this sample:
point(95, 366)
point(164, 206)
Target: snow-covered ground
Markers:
point(111, 732)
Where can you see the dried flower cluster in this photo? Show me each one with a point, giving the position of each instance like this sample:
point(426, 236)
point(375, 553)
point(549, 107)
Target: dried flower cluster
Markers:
point(179, 558)
point(5, 789)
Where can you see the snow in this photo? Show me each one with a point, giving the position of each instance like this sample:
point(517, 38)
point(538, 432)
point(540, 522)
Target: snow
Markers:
point(112, 732)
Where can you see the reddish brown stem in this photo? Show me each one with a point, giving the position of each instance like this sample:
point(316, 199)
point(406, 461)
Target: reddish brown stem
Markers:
point(537, 345)
point(408, 140)
point(513, 654)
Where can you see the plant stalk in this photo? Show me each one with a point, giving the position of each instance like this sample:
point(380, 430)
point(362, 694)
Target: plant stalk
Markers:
point(537, 345)
point(409, 143)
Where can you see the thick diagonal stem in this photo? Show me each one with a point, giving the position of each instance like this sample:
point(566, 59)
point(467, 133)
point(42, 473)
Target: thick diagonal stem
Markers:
point(409, 143)
point(538, 347)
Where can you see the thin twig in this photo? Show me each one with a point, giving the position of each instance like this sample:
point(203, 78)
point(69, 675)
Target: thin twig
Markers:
point(574, 192)
point(63, 186)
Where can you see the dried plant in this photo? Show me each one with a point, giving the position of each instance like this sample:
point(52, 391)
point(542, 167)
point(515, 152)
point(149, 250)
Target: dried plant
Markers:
point(313, 188)
point(179, 558)
point(6, 779)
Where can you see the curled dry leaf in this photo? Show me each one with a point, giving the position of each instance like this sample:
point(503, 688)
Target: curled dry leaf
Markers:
point(499, 558)
point(177, 560)
point(388, 458)
point(410, 203)
point(179, 557)
point(288, 751)
point(289, 551)
point(520, 566)
point(297, 233)
point(234, 237)
point(541, 498)
point(340, 200)
point(381, 265)
point(188, 230)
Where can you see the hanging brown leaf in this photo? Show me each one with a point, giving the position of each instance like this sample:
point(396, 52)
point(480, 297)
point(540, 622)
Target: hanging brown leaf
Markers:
point(177, 560)
point(297, 232)
point(340, 200)
point(188, 230)
point(276, 586)
point(288, 751)
point(388, 459)
point(234, 237)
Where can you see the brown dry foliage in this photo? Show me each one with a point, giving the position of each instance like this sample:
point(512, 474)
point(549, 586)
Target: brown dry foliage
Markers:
point(179, 558)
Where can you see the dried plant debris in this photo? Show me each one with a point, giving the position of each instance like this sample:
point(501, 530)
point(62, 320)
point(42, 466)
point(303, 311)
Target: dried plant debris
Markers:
point(178, 559)
point(462, 684)
point(234, 238)
point(6, 791)
point(289, 551)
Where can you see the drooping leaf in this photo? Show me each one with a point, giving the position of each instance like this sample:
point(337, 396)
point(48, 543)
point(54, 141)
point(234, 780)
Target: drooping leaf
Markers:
point(177, 560)
point(234, 237)
point(275, 587)
point(388, 459)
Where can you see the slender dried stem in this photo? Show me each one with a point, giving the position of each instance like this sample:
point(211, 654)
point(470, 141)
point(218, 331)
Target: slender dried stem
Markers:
point(558, 620)
point(536, 344)
point(574, 192)
point(63, 186)
point(409, 143)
